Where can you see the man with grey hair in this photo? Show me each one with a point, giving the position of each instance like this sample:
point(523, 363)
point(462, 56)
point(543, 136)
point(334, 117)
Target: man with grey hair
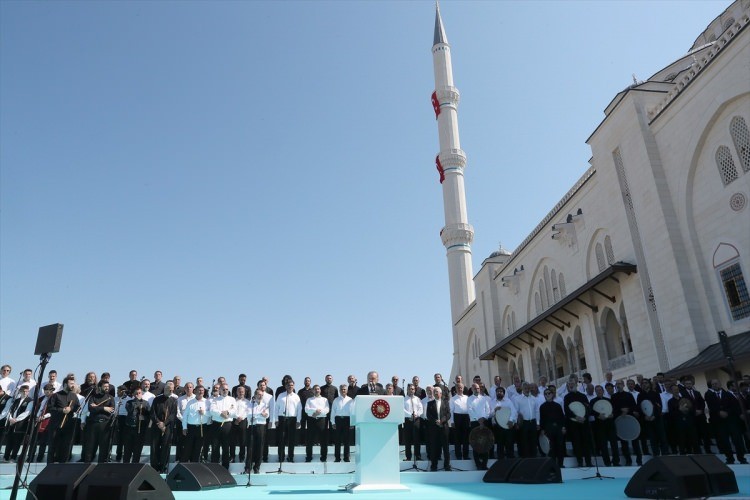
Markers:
point(372, 387)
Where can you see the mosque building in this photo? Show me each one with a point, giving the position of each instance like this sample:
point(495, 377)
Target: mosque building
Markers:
point(642, 267)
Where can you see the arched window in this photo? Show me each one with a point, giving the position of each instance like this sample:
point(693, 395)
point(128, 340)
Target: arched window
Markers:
point(561, 284)
point(555, 289)
point(741, 138)
point(609, 250)
point(547, 286)
point(543, 294)
point(600, 257)
point(538, 303)
point(725, 164)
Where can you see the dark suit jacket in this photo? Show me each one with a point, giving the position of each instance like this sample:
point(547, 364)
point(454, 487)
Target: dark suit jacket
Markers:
point(432, 413)
point(365, 390)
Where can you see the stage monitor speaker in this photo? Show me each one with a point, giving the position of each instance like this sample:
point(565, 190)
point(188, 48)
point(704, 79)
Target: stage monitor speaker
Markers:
point(536, 471)
point(58, 482)
point(113, 481)
point(721, 479)
point(48, 339)
point(224, 477)
point(669, 477)
point(192, 477)
point(500, 470)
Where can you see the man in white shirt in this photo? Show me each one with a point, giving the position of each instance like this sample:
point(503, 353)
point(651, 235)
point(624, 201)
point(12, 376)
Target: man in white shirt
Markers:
point(148, 396)
point(460, 421)
point(288, 416)
point(195, 419)
point(479, 414)
point(317, 410)
point(528, 408)
point(181, 425)
point(223, 411)
point(239, 425)
point(258, 414)
point(6, 383)
point(269, 401)
point(27, 381)
point(413, 411)
point(53, 380)
point(341, 423)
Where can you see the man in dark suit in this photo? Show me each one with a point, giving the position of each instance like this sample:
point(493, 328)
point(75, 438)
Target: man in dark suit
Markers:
point(438, 423)
point(687, 390)
point(372, 386)
point(724, 412)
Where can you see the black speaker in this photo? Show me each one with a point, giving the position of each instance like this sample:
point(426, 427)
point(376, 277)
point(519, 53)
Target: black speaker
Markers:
point(192, 477)
point(224, 477)
point(536, 471)
point(58, 482)
point(669, 477)
point(721, 479)
point(113, 481)
point(48, 339)
point(500, 470)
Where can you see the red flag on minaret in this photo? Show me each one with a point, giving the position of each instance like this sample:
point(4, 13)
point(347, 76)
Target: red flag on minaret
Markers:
point(435, 104)
point(439, 168)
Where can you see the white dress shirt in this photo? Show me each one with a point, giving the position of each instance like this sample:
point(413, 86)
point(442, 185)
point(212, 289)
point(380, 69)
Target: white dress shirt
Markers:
point(8, 385)
point(257, 412)
point(479, 407)
point(424, 406)
point(223, 404)
point(315, 404)
point(288, 405)
point(507, 403)
point(528, 407)
point(342, 407)
point(182, 403)
point(192, 415)
point(413, 406)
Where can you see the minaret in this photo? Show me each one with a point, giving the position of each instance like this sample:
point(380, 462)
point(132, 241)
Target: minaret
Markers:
point(457, 234)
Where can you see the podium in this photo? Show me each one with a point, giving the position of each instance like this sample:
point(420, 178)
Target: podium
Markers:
point(377, 463)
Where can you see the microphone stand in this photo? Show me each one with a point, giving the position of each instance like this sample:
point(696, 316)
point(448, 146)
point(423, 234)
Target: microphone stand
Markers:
point(596, 463)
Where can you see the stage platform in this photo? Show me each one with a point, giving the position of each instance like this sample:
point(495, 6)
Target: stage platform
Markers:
point(319, 480)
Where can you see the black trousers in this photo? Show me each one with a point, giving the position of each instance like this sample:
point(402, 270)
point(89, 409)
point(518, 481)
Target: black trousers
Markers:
point(193, 443)
point(221, 434)
point(161, 445)
point(439, 435)
point(317, 431)
point(461, 423)
point(97, 437)
point(256, 440)
point(411, 437)
point(527, 439)
point(286, 434)
point(341, 437)
point(238, 439)
point(60, 442)
point(122, 432)
point(134, 439)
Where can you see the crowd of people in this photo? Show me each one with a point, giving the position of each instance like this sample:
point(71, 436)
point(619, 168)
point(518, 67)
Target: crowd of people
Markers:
point(222, 424)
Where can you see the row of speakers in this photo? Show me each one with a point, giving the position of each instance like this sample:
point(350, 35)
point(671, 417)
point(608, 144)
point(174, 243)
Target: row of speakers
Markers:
point(114, 481)
point(661, 477)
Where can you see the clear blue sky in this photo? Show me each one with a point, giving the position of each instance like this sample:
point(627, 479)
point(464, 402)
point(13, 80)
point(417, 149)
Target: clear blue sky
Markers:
point(214, 187)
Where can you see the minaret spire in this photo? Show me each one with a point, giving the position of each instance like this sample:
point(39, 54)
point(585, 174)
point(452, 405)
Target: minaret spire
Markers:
point(457, 235)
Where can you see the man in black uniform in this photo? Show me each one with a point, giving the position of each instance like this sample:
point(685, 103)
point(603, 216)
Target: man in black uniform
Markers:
point(304, 394)
point(163, 413)
point(157, 386)
point(330, 392)
point(136, 423)
point(97, 427)
point(17, 422)
point(62, 407)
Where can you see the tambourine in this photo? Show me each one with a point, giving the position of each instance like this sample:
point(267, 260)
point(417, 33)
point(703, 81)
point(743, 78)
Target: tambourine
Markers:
point(502, 417)
point(578, 409)
point(544, 444)
point(685, 405)
point(627, 427)
point(603, 407)
point(481, 439)
point(647, 407)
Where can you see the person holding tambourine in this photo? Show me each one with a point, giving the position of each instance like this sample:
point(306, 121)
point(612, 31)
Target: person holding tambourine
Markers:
point(577, 411)
point(649, 402)
point(553, 424)
point(605, 436)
